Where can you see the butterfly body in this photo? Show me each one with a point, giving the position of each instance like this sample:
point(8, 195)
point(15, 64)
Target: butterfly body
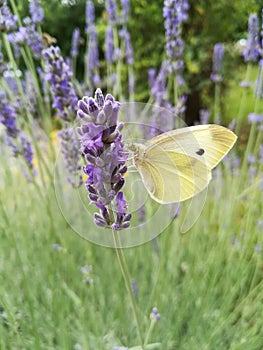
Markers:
point(176, 165)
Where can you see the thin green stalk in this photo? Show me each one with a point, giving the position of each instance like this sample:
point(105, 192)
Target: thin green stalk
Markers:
point(13, 243)
point(148, 334)
point(127, 279)
point(217, 109)
point(251, 138)
point(118, 89)
point(175, 87)
point(242, 105)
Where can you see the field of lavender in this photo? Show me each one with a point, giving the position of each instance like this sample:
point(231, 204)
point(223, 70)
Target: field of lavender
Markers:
point(87, 259)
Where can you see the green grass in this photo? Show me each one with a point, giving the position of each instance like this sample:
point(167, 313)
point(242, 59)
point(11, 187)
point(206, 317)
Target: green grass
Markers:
point(207, 283)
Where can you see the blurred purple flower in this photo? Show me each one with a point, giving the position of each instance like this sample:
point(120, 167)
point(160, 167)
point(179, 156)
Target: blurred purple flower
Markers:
point(70, 148)
point(86, 269)
point(102, 146)
point(218, 54)
point(28, 34)
point(155, 315)
point(251, 159)
point(36, 11)
point(58, 74)
point(245, 84)
point(204, 116)
point(151, 76)
point(19, 144)
point(8, 21)
point(251, 52)
point(75, 42)
point(255, 118)
point(128, 50)
point(90, 15)
point(57, 247)
point(109, 45)
point(125, 11)
point(174, 13)
point(92, 60)
point(111, 8)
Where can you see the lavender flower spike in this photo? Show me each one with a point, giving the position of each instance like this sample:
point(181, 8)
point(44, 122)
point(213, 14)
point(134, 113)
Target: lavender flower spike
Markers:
point(216, 76)
point(251, 52)
point(36, 11)
point(75, 43)
point(102, 146)
point(58, 74)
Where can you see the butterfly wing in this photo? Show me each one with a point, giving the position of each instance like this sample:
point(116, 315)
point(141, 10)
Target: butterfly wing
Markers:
point(172, 177)
point(207, 143)
point(177, 165)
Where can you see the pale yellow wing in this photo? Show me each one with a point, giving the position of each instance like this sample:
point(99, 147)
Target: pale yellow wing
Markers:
point(172, 177)
point(206, 143)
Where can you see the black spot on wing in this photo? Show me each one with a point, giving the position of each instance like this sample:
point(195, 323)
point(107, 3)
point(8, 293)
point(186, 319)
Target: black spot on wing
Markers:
point(200, 152)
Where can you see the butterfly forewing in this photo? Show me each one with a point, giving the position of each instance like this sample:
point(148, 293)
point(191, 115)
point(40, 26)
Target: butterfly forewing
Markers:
point(207, 143)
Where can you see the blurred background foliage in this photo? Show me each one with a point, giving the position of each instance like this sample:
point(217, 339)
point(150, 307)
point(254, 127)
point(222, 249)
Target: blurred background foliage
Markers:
point(209, 22)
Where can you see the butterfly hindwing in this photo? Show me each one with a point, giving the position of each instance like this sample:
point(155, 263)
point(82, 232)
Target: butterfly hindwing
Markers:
point(173, 177)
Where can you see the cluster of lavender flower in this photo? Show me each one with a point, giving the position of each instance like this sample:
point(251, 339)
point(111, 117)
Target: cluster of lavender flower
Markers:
point(102, 146)
point(15, 139)
point(58, 74)
point(10, 108)
point(174, 13)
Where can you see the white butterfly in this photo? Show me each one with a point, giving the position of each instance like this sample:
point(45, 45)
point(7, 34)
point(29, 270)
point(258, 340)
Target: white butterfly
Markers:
point(176, 165)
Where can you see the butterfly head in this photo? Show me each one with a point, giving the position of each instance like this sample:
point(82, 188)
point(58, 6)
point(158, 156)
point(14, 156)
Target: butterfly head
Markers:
point(138, 151)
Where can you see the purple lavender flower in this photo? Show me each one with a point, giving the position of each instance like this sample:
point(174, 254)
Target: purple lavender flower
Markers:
point(174, 13)
point(155, 316)
point(70, 148)
point(57, 247)
point(102, 146)
point(58, 74)
point(255, 118)
point(28, 34)
point(151, 76)
point(125, 11)
point(36, 11)
point(8, 21)
point(111, 8)
point(251, 52)
point(92, 60)
point(30, 90)
point(8, 116)
point(75, 43)
point(216, 76)
point(109, 45)
point(204, 116)
point(14, 137)
point(128, 50)
point(90, 15)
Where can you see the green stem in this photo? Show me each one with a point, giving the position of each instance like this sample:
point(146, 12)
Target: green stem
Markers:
point(146, 341)
point(240, 115)
point(127, 279)
point(217, 109)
